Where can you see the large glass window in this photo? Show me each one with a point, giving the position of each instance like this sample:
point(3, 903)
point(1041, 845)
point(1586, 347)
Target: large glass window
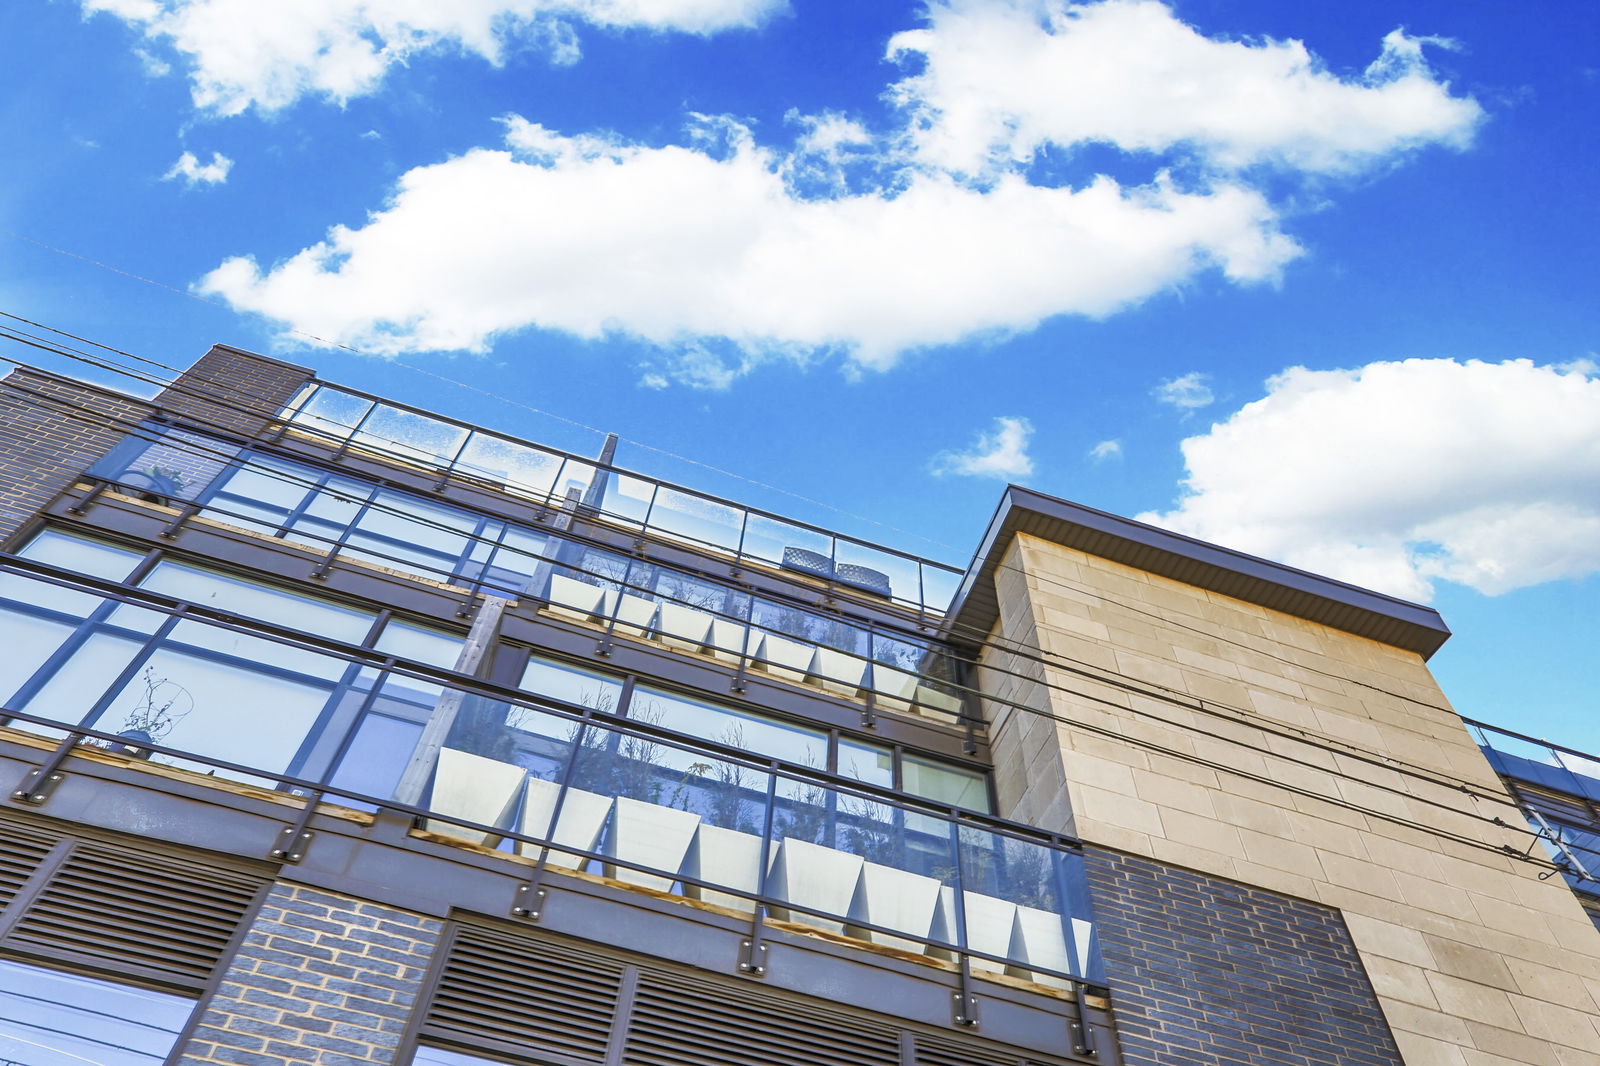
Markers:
point(51, 1018)
point(155, 678)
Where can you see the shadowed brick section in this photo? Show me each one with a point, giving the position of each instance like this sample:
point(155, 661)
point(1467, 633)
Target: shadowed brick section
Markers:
point(320, 978)
point(1207, 972)
point(234, 389)
point(51, 430)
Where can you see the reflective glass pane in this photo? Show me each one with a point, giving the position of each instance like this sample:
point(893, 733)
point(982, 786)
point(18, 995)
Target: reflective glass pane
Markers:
point(377, 755)
point(267, 602)
point(28, 641)
point(501, 462)
point(955, 785)
point(79, 682)
point(332, 412)
point(626, 499)
point(436, 647)
point(939, 587)
point(271, 483)
point(338, 502)
point(227, 712)
point(51, 1018)
point(81, 554)
point(804, 551)
point(411, 435)
point(871, 764)
point(571, 684)
point(877, 572)
point(697, 520)
point(731, 726)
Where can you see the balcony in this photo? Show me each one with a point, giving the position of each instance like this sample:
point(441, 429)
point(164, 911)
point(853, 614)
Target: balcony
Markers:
point(282, 691)
point(571, 577)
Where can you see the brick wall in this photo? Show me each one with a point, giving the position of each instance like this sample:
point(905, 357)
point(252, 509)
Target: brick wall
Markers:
point(320, 978)
point(1207, 972)
point(224, 380)
point(51, 429)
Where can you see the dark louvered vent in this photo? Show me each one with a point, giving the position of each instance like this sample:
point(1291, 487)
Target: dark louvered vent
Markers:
point(713, 1023)
point(163, 918)
point(933, 1053)
point(513, 993)
point(21, 849)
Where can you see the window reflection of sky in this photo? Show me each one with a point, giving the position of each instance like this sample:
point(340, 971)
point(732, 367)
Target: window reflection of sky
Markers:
point(49, 1018)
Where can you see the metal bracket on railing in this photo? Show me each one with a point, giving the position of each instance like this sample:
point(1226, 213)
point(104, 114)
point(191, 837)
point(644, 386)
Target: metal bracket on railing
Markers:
point(294, 839)
point(36, 786)
point(529, 899)
point(869, 714)
point(83, 505)
point(966, 1004)
point(321, 571)
point(1082, 1040)
point(752, 952)
point(173, 527)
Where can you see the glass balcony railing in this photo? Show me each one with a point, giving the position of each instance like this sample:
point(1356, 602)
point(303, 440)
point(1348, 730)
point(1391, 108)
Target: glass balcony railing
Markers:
point(561, 784)
point(649, 506)
point(625, 595)
point(1559, 792)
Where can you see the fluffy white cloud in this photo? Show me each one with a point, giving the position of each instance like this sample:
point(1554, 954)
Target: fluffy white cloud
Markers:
point(1001, 453)
point(192, 172)
point(1000, 80)
point(1106, 449)
point(269, 53)
point(1185, 393)
point(673, 244)
point(1399, 474)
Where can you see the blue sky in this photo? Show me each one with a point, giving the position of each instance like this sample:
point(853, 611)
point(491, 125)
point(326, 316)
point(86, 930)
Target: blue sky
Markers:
point(1314, 281)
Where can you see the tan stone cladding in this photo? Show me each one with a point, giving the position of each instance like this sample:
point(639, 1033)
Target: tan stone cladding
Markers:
point(319, 978)
point(1231, 739)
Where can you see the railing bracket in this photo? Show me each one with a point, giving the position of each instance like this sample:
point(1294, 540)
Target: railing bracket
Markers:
point(529, 901)
point(295, 839)
point(88, 501)
point(37, 784)
point(1082, 1041)
point(965, 1003)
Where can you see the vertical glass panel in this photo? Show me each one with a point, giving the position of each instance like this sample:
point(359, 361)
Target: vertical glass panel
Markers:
point(175, 465)
point(223, 711)
point(331, 412)
point(215, 642)
point(697, 520)
point(410, 435)
point(734, 727)
point(876, 572)
point(804, 551)
point(626, 499)
point(571, 684)
point(1021, 905)
point(575, 476)
point(377, 756)
point(514, 561)
point(37, 592)
point(939, 587)
point(500, 462)
point(436, 647)
point(81, 554)
point(28, 641)
point(50, 1018)
point(871, 764)
point(943, 783)
point(79, 682)
point(271, 483)
point(267, 602)
point(338, 502)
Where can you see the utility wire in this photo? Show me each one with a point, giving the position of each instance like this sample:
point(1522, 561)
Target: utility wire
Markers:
point(1215, 710)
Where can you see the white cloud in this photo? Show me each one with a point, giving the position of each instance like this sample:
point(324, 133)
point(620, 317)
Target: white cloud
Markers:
point(1106, 449)
point(1185, 393)
point(1399, 474)
point(853, 242)
point(192, 172)
point(1000, 80)
point(1001, 453)
point(593, 237)
point(270, 53)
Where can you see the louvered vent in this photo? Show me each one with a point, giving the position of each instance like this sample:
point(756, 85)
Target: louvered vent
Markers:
point(713, 1024)
point(164, 918)
point(516, 992)
point(933, 1053)
point(21, 849)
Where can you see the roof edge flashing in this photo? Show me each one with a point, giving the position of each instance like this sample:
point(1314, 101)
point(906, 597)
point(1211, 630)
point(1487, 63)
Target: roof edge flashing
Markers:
point(1378, 616)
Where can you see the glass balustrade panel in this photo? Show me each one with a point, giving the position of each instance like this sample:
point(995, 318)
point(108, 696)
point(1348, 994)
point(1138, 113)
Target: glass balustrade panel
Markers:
point(410, 436)
point(696, 520)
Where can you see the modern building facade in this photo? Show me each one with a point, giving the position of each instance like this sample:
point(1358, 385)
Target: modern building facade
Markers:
point(339, 732)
